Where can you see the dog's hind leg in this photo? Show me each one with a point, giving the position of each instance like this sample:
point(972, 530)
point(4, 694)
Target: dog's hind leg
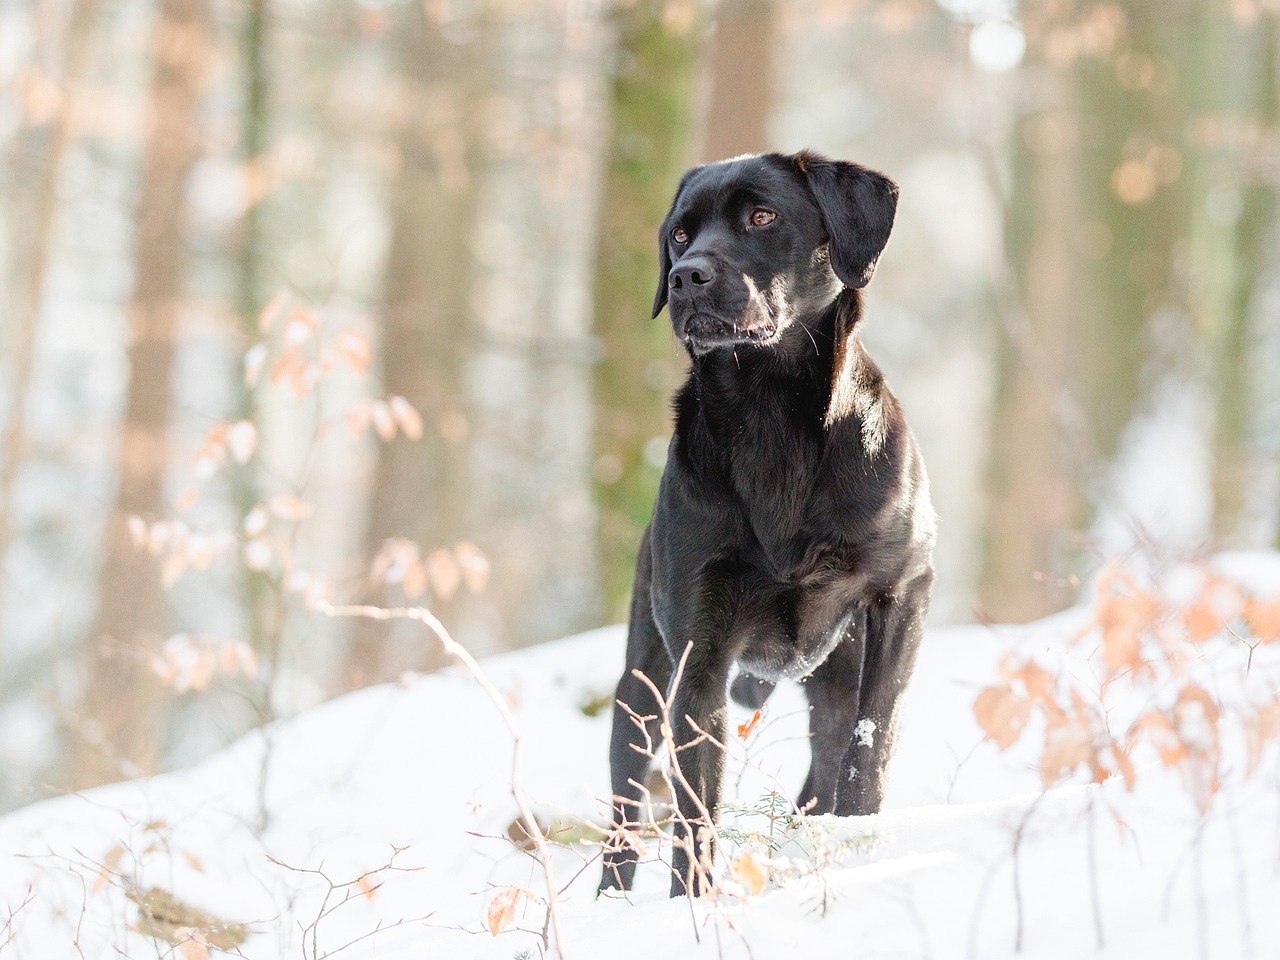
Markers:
point(633, 741)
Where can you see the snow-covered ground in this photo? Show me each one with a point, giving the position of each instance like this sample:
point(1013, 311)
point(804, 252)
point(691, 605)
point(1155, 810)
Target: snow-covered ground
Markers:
point(969, 856)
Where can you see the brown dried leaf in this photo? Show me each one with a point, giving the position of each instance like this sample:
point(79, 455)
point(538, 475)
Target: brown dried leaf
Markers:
point(1201, 621)
point(1124, 764)
point(1122, 614)
point(354, 348)
point(474, 565)
point(1160, 731)
point(1002, 715)
point(748, 873)
point(272, 310)
point(288, 367)
point(406, 416)
point(1219, 603)
point(288, 507)
point(502, 909)
point(1261, 727)
point(1194, 694)
point(443, 572)
point(1065, 748)
point(1037, 680)
point(110, 864)
point(415, 580)
point(1263, 617)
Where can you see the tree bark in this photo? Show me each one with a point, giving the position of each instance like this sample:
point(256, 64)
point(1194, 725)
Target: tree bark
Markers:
point(652, 98)
point(40, 223)
point(741, 79)
point(123, 710)
point(420, 487)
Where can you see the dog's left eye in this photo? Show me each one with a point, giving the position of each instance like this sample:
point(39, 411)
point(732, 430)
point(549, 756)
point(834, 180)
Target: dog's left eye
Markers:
point(762, 218)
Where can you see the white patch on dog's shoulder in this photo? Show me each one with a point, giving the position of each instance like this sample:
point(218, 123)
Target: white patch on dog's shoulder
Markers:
point(864, 733)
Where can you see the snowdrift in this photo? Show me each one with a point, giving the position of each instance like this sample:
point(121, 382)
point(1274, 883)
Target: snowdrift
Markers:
point(970, 859)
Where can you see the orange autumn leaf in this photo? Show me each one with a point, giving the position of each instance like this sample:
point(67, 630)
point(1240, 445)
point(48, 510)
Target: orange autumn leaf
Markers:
point(502, 909)
point(1162, 734)
point(267, 318)
point(747, 872)
point(1261, 727)
point(1263, 617)
point(1001, 714)
point(443, 572)
point(744, 729)
point(1065, 748)
point(1124, 765)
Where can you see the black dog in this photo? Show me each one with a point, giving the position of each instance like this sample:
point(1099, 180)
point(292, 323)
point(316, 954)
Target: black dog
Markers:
point(793, 533)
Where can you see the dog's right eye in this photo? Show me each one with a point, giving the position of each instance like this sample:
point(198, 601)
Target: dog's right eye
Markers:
point(679, 236)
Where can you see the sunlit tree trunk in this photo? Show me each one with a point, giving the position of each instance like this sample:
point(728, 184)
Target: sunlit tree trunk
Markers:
point(46, 151)
point(1232, 222)
point(1033, 486)
point(120, 725)
point(651, 102)
point(741, 79)
point(419, 487)
point(1093, 240)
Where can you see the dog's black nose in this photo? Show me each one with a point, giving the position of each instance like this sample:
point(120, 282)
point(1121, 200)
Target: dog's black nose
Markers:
point(696, 271)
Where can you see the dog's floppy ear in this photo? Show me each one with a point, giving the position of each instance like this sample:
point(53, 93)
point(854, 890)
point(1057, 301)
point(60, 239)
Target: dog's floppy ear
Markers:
point(664, 257)
point(857, 207)
point(664, 268)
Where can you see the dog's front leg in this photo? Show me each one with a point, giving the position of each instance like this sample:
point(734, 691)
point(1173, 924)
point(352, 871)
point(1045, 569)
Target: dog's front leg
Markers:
point(894, 628)
point(698, 724)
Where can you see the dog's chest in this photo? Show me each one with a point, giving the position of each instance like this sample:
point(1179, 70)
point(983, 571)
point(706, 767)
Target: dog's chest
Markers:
point(773, 457)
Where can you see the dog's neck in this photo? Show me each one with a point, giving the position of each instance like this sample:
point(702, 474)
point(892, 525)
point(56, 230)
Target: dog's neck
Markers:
point(820, 356)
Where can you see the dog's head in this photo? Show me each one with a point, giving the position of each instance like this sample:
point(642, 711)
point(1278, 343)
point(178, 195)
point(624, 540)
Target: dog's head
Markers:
point(752, 245)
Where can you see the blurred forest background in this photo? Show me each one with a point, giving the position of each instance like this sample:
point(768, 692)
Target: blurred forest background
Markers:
point(349, 299)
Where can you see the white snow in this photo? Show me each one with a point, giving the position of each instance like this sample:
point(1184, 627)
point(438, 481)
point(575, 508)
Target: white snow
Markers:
point(864, 733)
point(968, 854)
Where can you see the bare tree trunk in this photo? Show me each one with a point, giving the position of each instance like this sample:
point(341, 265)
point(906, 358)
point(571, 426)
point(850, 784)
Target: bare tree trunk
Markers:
point(529, 381)
point(1095, 217)
point(419, 487)
point(1033, 485)
point(123, 709)
point(262, 604)
point(652, 102)
point(41, 225)
point(1235, 227)
point(741, 64)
